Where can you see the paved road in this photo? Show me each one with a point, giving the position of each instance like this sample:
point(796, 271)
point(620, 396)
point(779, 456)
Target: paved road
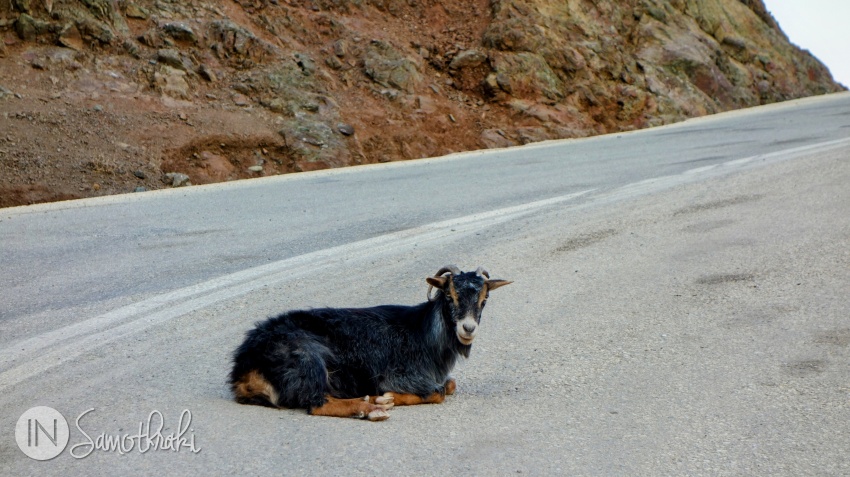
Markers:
point(680, 306)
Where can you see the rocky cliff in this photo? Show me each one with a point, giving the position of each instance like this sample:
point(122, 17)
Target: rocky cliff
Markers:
point(107, 96)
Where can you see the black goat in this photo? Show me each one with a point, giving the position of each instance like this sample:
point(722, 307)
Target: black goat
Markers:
point(361, 362)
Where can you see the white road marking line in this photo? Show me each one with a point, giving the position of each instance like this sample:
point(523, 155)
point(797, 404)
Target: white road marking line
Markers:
point(71, 341)
point(787, 153)
point(705, 172)
point(31, 356)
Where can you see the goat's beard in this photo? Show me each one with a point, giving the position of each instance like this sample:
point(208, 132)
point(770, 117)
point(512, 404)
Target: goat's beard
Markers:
point(465, 341)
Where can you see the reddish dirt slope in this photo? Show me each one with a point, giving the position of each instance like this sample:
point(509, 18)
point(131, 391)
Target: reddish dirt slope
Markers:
point(113, 96)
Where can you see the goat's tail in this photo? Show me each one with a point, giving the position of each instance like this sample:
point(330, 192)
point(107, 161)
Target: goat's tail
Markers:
point(248, 379)
point(278, 366)
point(253, 388)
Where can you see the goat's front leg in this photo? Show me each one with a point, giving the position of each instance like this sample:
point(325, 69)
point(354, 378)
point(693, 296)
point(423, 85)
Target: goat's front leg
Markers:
point(437, 397)
point(385, 400)
point(363, 408)
point(400, 399)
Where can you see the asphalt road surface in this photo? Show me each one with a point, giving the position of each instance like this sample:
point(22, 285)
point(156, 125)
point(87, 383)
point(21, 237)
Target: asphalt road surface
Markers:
point(679, 307)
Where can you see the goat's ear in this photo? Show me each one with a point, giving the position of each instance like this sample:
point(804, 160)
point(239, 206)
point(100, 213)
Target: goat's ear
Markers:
point(494, 284)
point(437, 282)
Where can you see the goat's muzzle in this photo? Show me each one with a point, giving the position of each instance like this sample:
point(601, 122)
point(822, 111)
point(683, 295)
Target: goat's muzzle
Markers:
point(465, 331)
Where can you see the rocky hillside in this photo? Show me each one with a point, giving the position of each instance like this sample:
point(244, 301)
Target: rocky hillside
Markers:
point(111, 96)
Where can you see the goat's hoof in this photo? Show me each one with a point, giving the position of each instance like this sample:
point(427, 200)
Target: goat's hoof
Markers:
point(386, 401)
point(378, 415)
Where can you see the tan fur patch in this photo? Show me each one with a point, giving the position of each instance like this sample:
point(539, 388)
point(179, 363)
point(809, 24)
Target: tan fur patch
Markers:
point(357, 407)
point(253, 385)
point(482, 296)
point(412, 399)
point(451, 387)
point(453, 292)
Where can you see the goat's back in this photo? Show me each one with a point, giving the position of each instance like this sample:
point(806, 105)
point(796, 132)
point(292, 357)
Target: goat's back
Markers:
point(344, 352)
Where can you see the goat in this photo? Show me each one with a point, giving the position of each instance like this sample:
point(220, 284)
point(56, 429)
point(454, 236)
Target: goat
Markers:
point(360, 362)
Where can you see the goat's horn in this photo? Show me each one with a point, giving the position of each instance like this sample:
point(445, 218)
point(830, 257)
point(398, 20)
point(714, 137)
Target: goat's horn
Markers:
point(448, 268)
point(482, 272)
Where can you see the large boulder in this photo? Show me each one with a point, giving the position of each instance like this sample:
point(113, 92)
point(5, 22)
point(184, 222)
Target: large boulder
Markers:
point(389, 67)
point(526, 75)
point(314, 144)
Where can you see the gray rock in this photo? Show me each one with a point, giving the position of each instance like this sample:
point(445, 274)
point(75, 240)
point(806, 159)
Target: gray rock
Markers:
point(315, 140)
point(466, 59)
point(135, 11)
point(340, 48)
point(152, 38)
point(240, 99)
point(504, 82)
point(140, 174)
point(314, 144)
point(171, 58)
point(140, 189)
point(180, 31)
point(243, 88)
point(736, 42)
point(256, 168)
point(496, 138)
point(39, 63)
point(334, 63)
point(657, 13)
point(276, 105)
point(22, 5)
point(530, 71)
point(390, 93)
point(176, 179)
point(172, 82)
point(95, 30)
point(491, 86)
point(307, 65)
point(207, 73)
point(387, 66)
point(345, 129)
point(231, 41)
point(28, 28)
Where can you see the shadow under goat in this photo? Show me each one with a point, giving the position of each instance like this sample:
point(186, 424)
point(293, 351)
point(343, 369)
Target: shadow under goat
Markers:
point(360, 362)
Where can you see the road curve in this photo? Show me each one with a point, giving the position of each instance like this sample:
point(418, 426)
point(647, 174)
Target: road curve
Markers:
point(679, 305)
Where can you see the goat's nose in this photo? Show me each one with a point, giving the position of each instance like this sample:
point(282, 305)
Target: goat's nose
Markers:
point(469, 328)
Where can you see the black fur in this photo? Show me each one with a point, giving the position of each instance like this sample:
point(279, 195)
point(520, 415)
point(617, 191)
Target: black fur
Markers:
point(348, 353)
